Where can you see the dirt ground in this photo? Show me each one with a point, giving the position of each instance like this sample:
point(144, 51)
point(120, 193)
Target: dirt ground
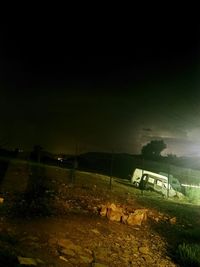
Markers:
point(61, 226)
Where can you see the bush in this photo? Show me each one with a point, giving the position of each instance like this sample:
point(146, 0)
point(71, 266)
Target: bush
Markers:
point(193, 194)
point(189, 255)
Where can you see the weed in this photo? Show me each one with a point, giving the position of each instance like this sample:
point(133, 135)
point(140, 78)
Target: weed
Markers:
point(188, 255)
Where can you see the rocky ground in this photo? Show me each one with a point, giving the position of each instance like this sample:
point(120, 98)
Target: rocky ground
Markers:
point(79, 225)
point(82, 240)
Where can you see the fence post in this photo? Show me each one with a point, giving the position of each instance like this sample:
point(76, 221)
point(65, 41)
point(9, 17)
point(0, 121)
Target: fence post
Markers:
point(168, 184)
point(111, 169)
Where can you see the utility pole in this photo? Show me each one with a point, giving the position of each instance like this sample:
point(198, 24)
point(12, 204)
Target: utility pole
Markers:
point(74, 165)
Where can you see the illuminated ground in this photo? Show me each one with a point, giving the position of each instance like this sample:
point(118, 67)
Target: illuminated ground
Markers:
point(37, 224)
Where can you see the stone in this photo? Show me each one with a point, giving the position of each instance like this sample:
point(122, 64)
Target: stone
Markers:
point(68, 252)
point(172, 220)
point(96, 264)
point(101, 254)
point(144, 250)
point(40, 261)
point(63, 258)
point(103, 211)
point(65, 243)
point(27, 261)
point(74, 261)
point(88, 251)
point(95, 231)
point(148, 259)
point(114, 215)
point(68, 244)
point(112, 206)
point(86, 259)
point(53, 241)
point(137, 217)
point(124, 218)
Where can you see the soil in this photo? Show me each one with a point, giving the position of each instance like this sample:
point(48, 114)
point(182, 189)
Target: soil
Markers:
point(61, 226)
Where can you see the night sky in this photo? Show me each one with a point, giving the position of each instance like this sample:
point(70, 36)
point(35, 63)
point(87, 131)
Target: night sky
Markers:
point(61, 97)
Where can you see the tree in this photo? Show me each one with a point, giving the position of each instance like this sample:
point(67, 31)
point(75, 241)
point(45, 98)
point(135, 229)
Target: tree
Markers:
point(153, 149)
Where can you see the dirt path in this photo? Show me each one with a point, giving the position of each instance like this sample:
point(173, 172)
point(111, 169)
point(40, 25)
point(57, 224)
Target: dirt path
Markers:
point(73, 234)
point(85, 240)
point(15, 178)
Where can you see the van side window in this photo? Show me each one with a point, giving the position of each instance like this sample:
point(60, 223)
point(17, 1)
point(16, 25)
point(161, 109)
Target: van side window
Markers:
point(151, 180)
point(165, 185)
point(159, 183)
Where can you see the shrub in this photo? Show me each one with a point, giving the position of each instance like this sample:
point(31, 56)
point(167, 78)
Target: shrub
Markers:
point(193, 195)
point(189, 255)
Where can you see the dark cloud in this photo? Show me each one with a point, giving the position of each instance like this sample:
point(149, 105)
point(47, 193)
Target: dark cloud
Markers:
point(147, 129)
point(58, 98)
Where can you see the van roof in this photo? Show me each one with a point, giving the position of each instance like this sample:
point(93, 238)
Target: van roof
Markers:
point(154, 175)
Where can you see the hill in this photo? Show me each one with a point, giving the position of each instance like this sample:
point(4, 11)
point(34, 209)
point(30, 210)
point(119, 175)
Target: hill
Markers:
point(56, 221)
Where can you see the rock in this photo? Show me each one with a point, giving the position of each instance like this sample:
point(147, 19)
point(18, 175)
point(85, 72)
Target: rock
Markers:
point(63, 258)
point(112, 206)
point(144, 250)
point(137, 217)
point(65, 243)
point(68, 244)
point(40, 261)
point(101, 254)
point(173, 220)
point(103, 211)
point(96, 264)
point(95, 231)
point(68, 252)
point(53, 241)
point(75, 261)
point(86, 259)
point(164, 263)
point(148, 259)
point(114, 213)
point(95, 210)
point(27, 261)
point(124, 218)
point(88, 251)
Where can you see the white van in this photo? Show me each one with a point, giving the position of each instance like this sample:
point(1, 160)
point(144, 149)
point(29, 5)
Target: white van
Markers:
point(152, 181)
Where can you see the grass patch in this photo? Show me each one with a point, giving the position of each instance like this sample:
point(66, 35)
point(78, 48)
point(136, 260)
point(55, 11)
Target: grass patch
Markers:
point(193, 195)
point(188, 255)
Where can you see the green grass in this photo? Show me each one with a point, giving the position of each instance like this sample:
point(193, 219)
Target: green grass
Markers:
point(96, 185)
point(188, 255)
point(193, 195)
